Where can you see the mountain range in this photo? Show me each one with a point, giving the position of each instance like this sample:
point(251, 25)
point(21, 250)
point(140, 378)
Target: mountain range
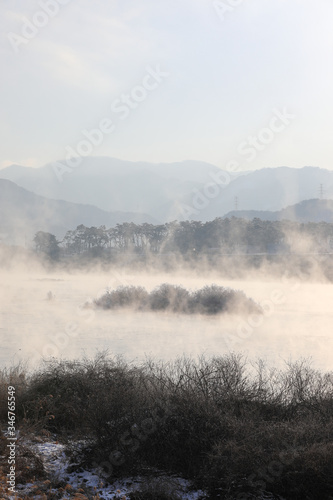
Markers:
point(169, 191)
point(113, 184)
point(315, 210)
point(105, 191)
point(24, 213)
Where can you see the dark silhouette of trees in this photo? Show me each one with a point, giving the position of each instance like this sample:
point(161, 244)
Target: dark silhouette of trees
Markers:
point(47, 244)
point(222, 235)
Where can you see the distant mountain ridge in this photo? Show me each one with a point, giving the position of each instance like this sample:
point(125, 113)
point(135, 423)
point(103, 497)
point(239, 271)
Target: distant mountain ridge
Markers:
point(272, 189)
point(23, 213)
point(315, 210)
point(172, 191)
point(112, 184)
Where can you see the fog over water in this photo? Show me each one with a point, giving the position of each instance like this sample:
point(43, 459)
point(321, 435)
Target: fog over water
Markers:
point(34, 323)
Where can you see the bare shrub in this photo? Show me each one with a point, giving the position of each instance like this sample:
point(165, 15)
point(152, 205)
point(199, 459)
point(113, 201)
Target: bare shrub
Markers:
point(124, 296)
point(171, 298)
point(231, 428)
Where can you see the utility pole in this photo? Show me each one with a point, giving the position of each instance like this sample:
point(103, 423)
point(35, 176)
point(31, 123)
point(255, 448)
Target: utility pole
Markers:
point(321, 191)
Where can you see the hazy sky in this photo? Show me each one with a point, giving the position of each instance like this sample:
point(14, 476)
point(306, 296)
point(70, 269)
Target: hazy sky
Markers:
point(167, 81)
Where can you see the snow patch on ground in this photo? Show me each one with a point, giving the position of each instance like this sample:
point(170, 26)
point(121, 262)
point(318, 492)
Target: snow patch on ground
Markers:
point(56, 464)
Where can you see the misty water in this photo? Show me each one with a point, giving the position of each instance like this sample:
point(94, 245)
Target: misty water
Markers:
point(42, 317)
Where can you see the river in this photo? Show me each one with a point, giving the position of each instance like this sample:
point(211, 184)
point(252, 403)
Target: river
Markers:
point(41, 315)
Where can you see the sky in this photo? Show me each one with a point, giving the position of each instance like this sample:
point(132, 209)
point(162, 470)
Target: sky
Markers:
point(245, 81)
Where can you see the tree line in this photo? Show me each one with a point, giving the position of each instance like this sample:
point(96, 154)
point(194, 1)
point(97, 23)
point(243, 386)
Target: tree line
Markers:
point(223, 235)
